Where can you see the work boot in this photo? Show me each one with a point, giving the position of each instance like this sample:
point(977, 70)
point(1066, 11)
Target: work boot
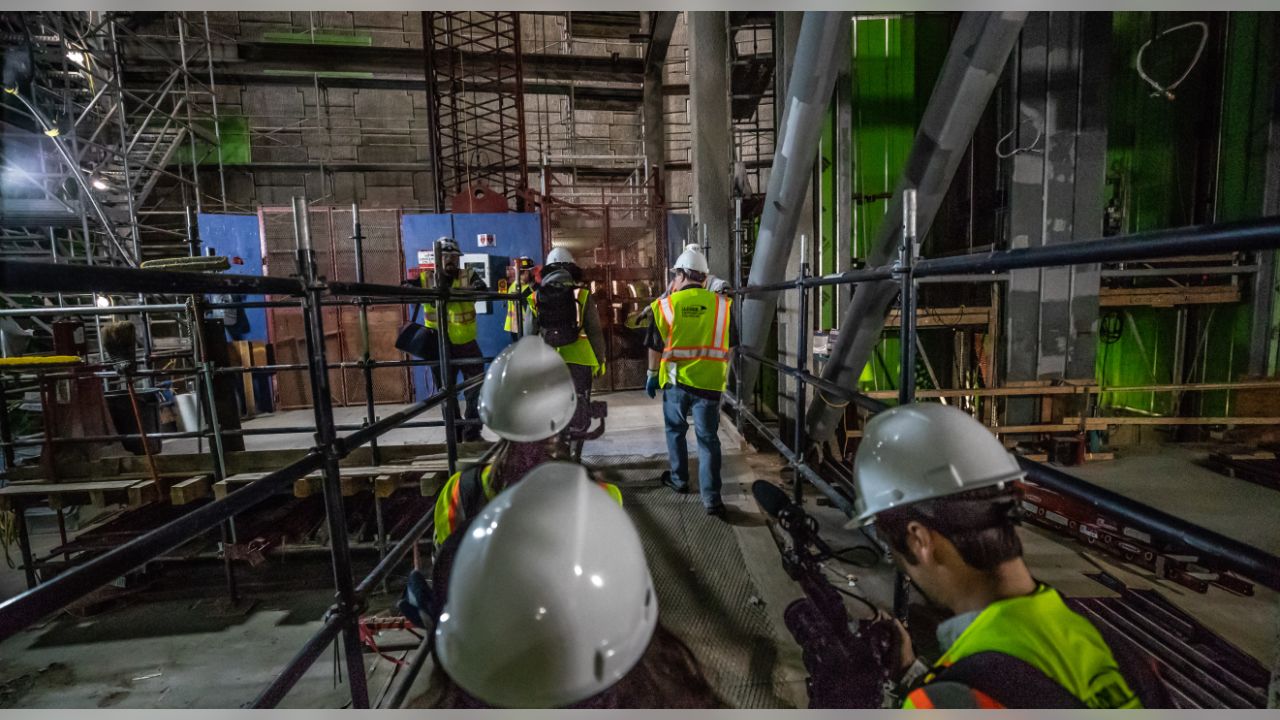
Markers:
point(671, 483)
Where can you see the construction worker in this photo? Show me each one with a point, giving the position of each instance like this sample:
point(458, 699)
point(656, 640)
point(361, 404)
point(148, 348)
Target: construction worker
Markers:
point(563, 312)
point(461, 339)
point(645, 315)
point(521, 284)
point(526, 400)
point(550, 603)
point(937, 485)
point(689, 343)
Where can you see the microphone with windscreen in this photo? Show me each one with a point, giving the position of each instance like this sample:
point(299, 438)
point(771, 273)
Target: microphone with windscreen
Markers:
point(770, 497)
point(847, 669)
point(801, 526)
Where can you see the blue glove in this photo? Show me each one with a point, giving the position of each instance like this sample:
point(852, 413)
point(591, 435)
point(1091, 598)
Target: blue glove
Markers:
point(651, 384)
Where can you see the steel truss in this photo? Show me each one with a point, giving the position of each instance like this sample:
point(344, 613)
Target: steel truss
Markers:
point(475, 102)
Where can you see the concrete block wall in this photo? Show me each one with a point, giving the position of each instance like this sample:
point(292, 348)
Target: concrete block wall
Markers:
point(372, 146)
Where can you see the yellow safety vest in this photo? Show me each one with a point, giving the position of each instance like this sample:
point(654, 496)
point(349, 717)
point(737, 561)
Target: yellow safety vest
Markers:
point(579, 351)
point(462, 316)
point(451, 513)
point(513, 307)
point(694, 325)
point(1040, 630)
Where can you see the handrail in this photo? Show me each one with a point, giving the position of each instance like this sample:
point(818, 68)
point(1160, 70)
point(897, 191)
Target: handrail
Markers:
point(1252, 562)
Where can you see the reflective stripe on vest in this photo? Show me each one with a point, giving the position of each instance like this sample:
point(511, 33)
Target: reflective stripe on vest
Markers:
point(694, 325)
point(578, 352)
point(462, 316)
point(451, 511)
point(513, 306)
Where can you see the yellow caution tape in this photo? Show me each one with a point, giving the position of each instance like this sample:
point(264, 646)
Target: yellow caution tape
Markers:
point(38, 361)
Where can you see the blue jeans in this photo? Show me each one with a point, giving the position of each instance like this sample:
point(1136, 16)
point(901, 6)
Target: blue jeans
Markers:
point(677, 403)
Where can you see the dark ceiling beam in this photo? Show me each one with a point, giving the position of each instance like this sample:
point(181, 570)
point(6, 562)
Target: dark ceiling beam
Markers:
point(313, 58)
point(661, 25)
point(257, 57)
point(587, 97)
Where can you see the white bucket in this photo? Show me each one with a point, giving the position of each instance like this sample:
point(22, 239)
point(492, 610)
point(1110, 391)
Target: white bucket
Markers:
point(188, 411)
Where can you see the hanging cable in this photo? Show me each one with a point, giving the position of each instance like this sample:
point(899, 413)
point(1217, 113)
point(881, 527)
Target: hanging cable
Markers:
point(1167, 91)
point(1034, 142)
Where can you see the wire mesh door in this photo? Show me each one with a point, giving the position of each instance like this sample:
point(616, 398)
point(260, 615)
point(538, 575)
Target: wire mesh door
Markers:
point(622, 251)
point(383, 264)
point(335, 259)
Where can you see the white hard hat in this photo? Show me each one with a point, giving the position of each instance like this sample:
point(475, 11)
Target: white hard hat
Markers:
point(550, 598)
point(924, 451)
point(448, 244)
point(527, 394)
point(692, 259)
point(559, 255)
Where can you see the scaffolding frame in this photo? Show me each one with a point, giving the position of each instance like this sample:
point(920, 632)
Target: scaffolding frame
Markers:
point(312, 294)
point(908, 270)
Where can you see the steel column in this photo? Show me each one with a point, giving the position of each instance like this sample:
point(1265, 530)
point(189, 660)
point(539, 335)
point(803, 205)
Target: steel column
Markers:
point(1263, 335)
point(808, 92)
point(712, 133)
point(843, 153)
point(661, 26)
point(1056, 196)
point(974, 63)
point(907, 300)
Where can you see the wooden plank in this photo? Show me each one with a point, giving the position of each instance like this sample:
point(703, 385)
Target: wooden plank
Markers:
point(190, 490)
point(1043, 428)
point(143, 492)
point(221, 488)
point(944, 317)
point(1020, 389)
point(1093, 423)
point(1099, 456)
point(989, 392)
point(1168, 297)
point(46, 488)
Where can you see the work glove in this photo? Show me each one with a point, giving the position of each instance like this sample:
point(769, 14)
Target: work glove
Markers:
point(600, 369)
point(651, 384)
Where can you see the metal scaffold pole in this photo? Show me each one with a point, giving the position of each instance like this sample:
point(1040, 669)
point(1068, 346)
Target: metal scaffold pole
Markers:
point(326, 443)
point(907, 341)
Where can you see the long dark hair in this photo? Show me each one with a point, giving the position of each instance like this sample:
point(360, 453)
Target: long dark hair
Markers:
point(667, 676)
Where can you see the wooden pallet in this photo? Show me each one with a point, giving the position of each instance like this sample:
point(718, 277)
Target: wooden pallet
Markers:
point(382, 480)
point(1259, 467)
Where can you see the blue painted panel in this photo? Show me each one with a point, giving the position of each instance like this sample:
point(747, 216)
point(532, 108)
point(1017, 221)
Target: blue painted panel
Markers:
point(515, 234)
point(237, 237)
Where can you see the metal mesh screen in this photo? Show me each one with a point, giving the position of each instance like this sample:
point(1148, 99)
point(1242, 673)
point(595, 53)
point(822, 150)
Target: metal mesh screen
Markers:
point(334, 247)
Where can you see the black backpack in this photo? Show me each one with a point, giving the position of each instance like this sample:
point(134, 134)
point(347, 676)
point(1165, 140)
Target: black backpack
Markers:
point(558, 318)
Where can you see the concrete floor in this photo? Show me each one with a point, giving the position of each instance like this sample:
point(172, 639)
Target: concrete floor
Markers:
point(189, 653)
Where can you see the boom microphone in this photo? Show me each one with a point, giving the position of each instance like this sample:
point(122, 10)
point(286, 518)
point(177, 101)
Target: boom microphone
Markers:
point(770, 497)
